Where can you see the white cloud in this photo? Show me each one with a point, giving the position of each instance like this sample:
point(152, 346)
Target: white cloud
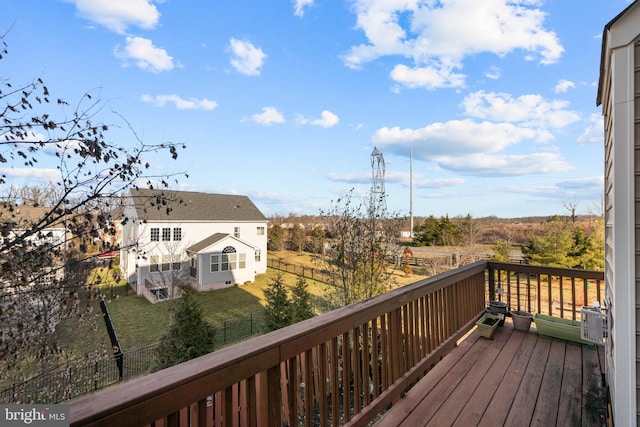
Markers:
point(438, 35)
point(527, 110)
point(45, 175)
point(437, 182)
point(299, 5)
point(564, 86)
point(493, 73)
point(481, 164)
point(145, 55)
point(589, 183)
point(454, 137)
point(269, 116)
point(396, 177)
point(327, 120)
point(427, 77)
point(247, 59)
point(180, 103)
point(587, 188)
point(594, 132)
point(52, 146)
point(117, 15)
point(354, 178)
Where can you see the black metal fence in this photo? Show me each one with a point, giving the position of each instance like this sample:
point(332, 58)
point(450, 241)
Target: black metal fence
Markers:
point(80, 379)
point(297, 269)
point(84, 378)
point(238, 329)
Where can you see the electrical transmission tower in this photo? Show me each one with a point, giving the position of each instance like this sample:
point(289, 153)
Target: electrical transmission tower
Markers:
point(378, 198)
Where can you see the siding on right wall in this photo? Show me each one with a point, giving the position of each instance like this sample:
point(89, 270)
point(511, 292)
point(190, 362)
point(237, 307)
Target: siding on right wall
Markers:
point(619, 94)
point(636, 180)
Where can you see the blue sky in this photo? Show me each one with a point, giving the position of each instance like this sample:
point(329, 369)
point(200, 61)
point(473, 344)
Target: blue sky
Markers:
point(284, 101)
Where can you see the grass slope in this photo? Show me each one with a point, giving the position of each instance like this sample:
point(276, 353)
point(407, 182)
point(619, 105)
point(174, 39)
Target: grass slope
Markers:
point(139, 323)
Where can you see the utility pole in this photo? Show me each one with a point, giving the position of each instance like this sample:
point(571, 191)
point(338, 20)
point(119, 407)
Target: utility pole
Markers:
point(411, 193)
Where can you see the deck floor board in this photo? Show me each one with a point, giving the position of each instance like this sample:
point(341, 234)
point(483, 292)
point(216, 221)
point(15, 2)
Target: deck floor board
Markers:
point(516, 379)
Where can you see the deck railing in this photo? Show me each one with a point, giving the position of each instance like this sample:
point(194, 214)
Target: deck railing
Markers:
point(554, 291)
point(341, 368)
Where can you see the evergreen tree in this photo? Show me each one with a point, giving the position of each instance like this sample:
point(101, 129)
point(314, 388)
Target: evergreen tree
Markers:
point(501, 252)
point(275, 238)
point(297, 238)
point(442, 232)
point(553, 247)
point(469, 231)
point(449, 232)
point(301, 307)
point(427, 233)
point(278, 309)
point(318, 238)
point(564, 244)
point(588, 250)
point(189, 335)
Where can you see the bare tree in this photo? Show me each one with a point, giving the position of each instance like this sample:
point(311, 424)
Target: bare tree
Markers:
point(360, 247)
point(571, 208)
point(42, 273)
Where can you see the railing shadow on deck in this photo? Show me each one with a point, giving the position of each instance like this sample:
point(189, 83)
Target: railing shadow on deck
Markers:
point(341, 368)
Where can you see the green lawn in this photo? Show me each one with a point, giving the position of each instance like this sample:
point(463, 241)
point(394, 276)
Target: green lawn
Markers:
point(138, 322)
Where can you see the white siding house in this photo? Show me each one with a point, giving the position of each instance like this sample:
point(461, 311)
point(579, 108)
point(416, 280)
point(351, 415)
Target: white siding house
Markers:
point(619, 95)
point(210, 241)
point(23, 219)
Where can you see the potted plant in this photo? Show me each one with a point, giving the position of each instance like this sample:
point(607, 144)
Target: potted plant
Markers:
point(566, 329)
point(487, 324)
point(500, 309)
point(521, 320)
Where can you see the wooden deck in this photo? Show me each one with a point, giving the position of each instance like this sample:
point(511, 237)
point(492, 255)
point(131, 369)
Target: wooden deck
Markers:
point(516, 379)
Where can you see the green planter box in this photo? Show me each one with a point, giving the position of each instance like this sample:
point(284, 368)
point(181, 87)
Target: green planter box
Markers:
point(487, 324)
point(558, 327)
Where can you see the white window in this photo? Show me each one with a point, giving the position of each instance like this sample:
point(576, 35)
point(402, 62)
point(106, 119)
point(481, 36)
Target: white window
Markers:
point(166, 234)
point(177, 234)
point(176, 264)
point(228, 260)
point(233, 259)
point(154, 260)
point(260, 231)
point(258, 255)
point(155, 234)
point(224, 262)
point(166, 263)
point(236, 232)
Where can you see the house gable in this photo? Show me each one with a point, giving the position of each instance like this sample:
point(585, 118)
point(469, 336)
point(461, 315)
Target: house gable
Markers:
point(206, 245)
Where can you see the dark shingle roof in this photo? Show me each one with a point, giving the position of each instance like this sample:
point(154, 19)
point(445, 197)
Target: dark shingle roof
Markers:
point(202, 244)
point(158, 205)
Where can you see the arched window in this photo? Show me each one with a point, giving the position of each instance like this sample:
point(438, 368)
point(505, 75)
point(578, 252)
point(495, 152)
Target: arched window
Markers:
point(229, 257)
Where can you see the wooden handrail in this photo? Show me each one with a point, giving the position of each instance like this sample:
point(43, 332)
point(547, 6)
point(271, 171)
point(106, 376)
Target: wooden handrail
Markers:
point(547, 290)
point(340, 368)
